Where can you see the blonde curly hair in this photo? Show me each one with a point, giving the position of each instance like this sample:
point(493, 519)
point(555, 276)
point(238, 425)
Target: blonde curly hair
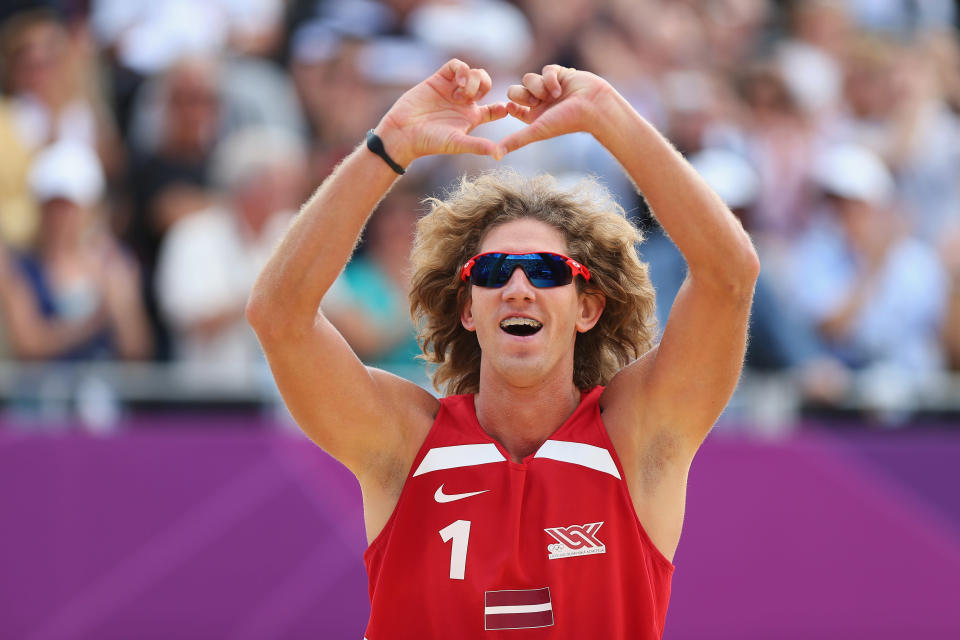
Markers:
point(598, 235)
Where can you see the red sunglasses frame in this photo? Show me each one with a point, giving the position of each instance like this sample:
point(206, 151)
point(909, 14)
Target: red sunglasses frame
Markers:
point(575, 267)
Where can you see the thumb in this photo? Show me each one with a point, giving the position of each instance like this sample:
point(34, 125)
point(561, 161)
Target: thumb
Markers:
point(462, 143)
point(521, 138)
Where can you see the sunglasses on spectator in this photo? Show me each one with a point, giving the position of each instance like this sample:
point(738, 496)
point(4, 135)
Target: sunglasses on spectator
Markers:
point(543, 269)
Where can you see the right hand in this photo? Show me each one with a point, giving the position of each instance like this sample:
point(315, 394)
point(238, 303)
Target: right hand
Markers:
point(119, 279)
point(437, 115)
point(557, 101)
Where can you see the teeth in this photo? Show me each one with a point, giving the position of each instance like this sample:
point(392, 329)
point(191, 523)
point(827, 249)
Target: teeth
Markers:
point(520, 322)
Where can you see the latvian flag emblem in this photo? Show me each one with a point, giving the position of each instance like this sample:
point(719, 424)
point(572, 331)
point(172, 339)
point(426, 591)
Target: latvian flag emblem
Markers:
point(518, 609)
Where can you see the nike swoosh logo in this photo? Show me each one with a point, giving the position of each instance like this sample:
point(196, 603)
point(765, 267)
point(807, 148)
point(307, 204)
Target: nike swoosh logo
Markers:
point(440, 496)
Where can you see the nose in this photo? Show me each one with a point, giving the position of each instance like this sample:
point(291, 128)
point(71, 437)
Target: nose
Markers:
point(518, 287)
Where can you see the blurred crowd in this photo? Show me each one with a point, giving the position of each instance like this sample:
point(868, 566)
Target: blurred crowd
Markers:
point(152, 153)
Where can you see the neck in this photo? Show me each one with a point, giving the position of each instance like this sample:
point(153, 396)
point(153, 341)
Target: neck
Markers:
point(58, 245)
point(251, 221)
point(522, 418)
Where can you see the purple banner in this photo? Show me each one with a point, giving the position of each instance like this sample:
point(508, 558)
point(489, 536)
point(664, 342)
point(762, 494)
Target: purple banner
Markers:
point(187, 531)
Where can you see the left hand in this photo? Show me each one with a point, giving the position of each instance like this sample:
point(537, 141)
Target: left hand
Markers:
point(437, 115)
point(558, 101)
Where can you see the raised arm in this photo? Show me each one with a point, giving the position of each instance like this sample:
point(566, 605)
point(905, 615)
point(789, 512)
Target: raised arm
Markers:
point(678, 390)
point(367, 419)
point(659, 409)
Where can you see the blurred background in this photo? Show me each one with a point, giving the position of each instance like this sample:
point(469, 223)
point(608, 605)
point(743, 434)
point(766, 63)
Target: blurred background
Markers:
point(152, 153)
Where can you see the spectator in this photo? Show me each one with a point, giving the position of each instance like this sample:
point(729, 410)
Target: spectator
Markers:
point(896, 107)
point(169, 174)
point(809, 56)
point(209, 259)
point(779, 340)
point(47, 80)
point(950, 251)
point(875, 294)
point(779, 143)
point(76, 295)
point(369, 303)
point(7, 281)
point(18, 214)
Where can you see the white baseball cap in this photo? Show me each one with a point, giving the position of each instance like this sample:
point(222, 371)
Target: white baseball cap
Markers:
point(855, 173)
point(729, 174)
point(67, 169)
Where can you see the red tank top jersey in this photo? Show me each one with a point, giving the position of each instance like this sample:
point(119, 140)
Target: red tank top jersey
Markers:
point(482, 547)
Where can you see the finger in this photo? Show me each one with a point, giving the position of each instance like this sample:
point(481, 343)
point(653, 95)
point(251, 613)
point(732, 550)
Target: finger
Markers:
point(520, 113)
point(521, 96)
point(469, 90)
point(455, 70)
point(485, 84)
point(495, 111)
point(551, 79)
point(517, 139)
point(462, 143)
point(534, 84)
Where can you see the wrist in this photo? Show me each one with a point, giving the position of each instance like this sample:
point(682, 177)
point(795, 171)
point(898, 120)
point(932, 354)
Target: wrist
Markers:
point(394, 143)
point(610, 114)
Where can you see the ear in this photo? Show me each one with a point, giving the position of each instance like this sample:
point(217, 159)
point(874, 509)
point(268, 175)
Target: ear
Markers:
point(592, 303)
point(466, 314)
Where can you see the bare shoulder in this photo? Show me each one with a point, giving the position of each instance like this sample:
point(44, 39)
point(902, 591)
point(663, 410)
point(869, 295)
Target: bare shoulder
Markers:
point(624, 397)
point(655, 457)
point(409, 410)
point(412, 409)
point(642, 441)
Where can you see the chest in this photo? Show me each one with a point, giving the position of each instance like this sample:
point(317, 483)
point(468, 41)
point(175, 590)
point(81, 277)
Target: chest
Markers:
point(469, 514)
point(503, 545)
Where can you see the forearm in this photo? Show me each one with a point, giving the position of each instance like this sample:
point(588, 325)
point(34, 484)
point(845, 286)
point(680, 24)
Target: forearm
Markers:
point(951, 330)
point(837, 325)
point(709, 236)
point(47, 339)
point(321, 239)
point(131, 333)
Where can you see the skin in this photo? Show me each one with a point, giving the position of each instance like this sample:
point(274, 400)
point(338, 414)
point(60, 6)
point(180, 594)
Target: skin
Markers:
point(657, 410)
point(532, 373)
point(72, 253)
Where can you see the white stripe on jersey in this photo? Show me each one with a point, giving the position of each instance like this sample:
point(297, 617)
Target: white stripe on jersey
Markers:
point(585, 455)
point(461, 455)
point(518, 608)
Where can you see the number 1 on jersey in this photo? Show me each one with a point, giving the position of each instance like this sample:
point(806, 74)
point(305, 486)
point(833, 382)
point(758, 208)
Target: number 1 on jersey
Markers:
point(459, 531)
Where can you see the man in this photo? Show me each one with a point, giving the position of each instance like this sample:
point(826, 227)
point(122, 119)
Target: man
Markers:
point(875, 294)
point(516, 507)
point(210, 258)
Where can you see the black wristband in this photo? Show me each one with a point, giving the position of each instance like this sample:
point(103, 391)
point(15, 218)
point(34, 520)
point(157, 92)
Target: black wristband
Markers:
point(375, 144)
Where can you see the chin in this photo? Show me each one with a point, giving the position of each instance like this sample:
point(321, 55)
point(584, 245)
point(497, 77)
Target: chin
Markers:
point(522, 370)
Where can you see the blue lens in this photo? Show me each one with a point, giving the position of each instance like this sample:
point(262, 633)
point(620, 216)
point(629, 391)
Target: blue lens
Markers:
point(544, 270)
point(486, 271)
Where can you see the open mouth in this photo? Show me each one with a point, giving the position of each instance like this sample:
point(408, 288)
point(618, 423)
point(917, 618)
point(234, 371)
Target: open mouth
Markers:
point(517, 326)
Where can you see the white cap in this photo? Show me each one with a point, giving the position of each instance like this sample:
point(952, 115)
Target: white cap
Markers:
point(248, 152)
point(855, 173)
point(491, 32)
point(729, 174)
point(397, 61)
point(67, 169)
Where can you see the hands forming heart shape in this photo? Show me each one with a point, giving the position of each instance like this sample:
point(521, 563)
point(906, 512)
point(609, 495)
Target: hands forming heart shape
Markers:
point(437, 115)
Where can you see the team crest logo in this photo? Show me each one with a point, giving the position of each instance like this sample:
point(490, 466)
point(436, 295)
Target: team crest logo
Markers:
point(575, 540)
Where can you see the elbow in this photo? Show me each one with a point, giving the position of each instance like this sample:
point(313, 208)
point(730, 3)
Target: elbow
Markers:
point(743, 263)
point(259, 312)
point(750, 262)
point(275, 319)
point(744, 273)
point(733, 273)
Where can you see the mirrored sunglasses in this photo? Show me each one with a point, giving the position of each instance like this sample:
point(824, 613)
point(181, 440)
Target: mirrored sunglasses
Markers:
point(543, 269)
